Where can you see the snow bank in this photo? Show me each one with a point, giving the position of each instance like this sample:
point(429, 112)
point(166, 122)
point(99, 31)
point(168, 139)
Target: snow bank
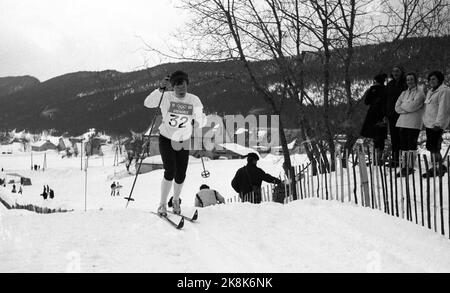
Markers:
point(307, 236)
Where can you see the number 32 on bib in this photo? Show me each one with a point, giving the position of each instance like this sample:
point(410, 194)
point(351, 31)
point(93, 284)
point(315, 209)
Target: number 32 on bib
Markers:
point(180, 114)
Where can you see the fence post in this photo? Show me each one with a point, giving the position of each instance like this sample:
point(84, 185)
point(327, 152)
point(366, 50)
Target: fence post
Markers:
point(365, 196)
point(433, 159)
point(342, 177)
point(372, 164)
point(355, 188)
point(441, 196)
point(428, 192)
point(421, 189)
point(411, 154)
point(392, 191)
point(448, 193)
point(386, 189)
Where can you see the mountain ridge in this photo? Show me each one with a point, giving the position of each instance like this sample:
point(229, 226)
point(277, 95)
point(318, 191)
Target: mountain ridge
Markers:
point(112, 101)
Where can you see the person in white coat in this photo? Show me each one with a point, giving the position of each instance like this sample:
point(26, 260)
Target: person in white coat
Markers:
point(410, 107)
point(436, 119)
point(181, 112)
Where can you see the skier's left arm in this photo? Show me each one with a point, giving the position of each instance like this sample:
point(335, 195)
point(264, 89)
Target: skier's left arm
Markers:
point(199, 119)
point(269, 179)
point(443, 117)
point(152, 101)
point(416, 104)
point(220, 198)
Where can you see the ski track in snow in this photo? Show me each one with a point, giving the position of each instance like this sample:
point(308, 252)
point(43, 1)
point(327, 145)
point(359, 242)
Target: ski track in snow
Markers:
point(304, 236)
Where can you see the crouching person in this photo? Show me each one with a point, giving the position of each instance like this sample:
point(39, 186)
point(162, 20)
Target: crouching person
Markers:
point(247, 181)
point(208, 197)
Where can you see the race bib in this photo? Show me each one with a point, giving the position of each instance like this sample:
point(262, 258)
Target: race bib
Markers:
point(179, 114)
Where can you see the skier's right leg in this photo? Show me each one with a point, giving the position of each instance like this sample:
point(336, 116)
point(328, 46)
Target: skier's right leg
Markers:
point(169, 163)
point(165, 190)
point(182, 161)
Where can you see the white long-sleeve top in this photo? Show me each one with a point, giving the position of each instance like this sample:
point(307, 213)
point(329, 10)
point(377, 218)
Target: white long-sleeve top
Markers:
point(437, 108)
point(177, 114)
point(410, 106)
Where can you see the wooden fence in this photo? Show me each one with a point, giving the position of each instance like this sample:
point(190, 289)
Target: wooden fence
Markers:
point(412, 197)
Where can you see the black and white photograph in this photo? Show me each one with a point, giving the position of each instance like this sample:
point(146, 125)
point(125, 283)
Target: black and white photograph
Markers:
point(224, 137)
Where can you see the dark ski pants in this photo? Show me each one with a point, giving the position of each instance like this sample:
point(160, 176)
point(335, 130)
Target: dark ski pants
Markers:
point(175, 161)
point(408, 139)
point(395, 138)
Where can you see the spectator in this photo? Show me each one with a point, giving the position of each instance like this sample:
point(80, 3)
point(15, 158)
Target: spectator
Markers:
point(118, 187)
point(44, 193)
point(130, 157)
point(20, 189)
point(393, 91)
point(374, 126)
point(208, 197)
point(247, 181)
point(436, 119)
point(410, 107)
point(14, 189)
point(113, 189)
point(52, 194)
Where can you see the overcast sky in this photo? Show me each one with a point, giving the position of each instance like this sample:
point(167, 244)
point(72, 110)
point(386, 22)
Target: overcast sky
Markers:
point(47, 38)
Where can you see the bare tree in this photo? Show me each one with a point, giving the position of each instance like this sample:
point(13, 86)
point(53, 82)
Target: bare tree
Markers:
point(356, 25)
point(414, 18)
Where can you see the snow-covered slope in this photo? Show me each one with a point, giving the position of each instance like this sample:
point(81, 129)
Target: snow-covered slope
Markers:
point(304, 236)
point(307, 236)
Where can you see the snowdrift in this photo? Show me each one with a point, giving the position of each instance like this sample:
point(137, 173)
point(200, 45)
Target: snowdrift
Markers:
point(304, 236)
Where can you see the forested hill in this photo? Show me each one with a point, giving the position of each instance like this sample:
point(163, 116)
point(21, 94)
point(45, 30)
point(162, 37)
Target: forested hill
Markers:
point(11, 85)
point(113, 101)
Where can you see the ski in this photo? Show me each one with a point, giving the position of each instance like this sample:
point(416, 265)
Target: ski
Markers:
point(190, 219)
point(176, 225)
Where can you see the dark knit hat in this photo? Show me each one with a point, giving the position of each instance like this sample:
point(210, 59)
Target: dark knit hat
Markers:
point(252, 157)
point(178, 77)
point(380, 78)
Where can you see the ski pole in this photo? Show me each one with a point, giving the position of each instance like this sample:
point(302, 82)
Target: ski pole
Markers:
point(446, 154)
point(143, 151)
point(205, 173)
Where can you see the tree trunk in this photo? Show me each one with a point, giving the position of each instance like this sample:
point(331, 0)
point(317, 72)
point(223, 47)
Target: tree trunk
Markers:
point(287, 166)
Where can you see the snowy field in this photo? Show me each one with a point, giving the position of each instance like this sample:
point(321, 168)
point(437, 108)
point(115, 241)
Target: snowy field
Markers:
point(307, 236)
point(65, 177)
point(304, 236)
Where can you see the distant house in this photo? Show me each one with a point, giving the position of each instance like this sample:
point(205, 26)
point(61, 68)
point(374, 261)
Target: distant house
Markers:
point(291, 147)
point(43, 146)
point(13, 178)
point(94, 146)
point(64, 144)
point(53, 139)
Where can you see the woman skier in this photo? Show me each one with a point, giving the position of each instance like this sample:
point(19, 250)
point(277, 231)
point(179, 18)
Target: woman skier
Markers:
point(181, 112)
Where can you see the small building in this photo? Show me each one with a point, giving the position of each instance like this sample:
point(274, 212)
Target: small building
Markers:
point(43, 146)
point(14, 178)
point(64, 144)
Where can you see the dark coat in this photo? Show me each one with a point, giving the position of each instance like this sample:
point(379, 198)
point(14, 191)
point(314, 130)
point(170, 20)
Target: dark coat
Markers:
point(373, 126)
point(249, 179)
point(393, 91)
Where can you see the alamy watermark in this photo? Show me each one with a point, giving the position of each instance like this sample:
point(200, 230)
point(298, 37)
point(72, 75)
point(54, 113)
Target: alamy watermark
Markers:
point(250, 131)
